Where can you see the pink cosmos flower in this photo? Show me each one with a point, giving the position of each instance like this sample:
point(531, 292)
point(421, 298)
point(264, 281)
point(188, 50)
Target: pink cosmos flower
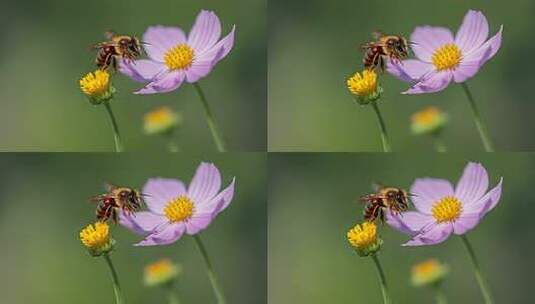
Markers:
point(442, 58)
point(175, 210)
point(173, 57)
point(443, 210)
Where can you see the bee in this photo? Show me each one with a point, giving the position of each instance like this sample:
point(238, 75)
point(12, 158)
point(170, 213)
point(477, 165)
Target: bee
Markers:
point(115, 48)
point(386, 198)
point(384, 47)
point(116, 199)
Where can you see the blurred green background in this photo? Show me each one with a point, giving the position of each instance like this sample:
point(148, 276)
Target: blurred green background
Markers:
point(314, 45)
point(43, 206)
point(313, 201)
point(45, 51)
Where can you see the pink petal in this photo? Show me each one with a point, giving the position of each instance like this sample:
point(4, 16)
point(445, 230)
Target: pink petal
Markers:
point(434, 82)
point(204, 63)
point(160, 39)
point(427, 191)
point(198, 223)
point(429, 38)
point(464, 71)
point(159, 191)
point(165, 83)
point(143, 222)
point(142, 70)
point(205, 183)
point(205, 32)
point(473, 31)
point(409, 70)
point(486, 51)
point(410, 222)
point(465, 223)
point(220, 202)
point(473, 184)
point(487, 202)
point(167, 235)
point(437, 233)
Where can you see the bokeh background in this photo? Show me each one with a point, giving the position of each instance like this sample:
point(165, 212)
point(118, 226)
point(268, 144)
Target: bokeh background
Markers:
point(45, 51)
point(313, 201)
point(43, 206)
point(314, 45)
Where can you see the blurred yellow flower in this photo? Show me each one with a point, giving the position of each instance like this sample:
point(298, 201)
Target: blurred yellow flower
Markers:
point(428, 272)
point(161, 120)
point(161, 272)
point(363, 237)
point(429, 120)
point(364, 86)
point(96, 238)
point(97, 86)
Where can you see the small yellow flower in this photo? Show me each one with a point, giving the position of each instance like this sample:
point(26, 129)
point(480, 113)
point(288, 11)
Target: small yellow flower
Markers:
point(364, 86)
point(161, 120)
point(96, 238)
point(363, 237)
point(97, 86)
point(428, 121)
point(428, 272)
point(161, 272)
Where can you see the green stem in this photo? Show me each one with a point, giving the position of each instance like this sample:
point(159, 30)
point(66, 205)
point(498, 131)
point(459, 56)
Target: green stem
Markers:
point(171, 144)
point(382, 127)
point(173, 298)
point(115, 280)
point(382, 280)
point(209, 269)
point(116, 135)
point(481, 128)
point(220, 144)
point(439, 143)
point(485, 291)
point(440, 296)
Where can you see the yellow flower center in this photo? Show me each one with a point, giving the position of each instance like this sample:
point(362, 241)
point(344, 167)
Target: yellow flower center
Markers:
point(363, 235)
point(427, 116)
point(426, 267)
point(446, 57)
point(95, 236)
point(179, 209)
point(95, 84)
point(160, 272)
point(161, 120)
point(363, 84)
point(447, 209)
point(179, 57)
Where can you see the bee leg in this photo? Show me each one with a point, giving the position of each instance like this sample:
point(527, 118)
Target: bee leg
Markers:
point(114, 214)
point(382, 62)
point(382, 216)
point(114, 63)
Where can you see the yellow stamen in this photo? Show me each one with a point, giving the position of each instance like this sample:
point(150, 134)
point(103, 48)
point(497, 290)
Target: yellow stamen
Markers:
point(446, 57)
point(160, 272)
point(179, 57)
point(363, 236)
point(179, 209)
point(425, 267)
point(363, 84)
point(426, 116)
point(428, 272)
point(95, 236)
point(95, 84)
point(448, 209)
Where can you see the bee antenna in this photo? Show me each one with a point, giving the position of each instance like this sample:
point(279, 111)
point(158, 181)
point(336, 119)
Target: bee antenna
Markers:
point(413, 195)
point(413, 43)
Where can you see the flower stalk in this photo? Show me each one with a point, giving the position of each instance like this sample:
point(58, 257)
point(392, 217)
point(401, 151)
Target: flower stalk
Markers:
point(439, 295)
point(382, 279)
point(218, 291)
point(382, 128)
point(173, 298)
point(485, 291)
point(220, 144)
point(481, 127)
point(115, 128)
point(115, 280)
point(439, 143)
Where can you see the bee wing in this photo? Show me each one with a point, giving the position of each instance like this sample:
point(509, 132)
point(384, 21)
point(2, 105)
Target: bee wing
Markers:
point(109, 34)
point(110, 187)
point(377, 34)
